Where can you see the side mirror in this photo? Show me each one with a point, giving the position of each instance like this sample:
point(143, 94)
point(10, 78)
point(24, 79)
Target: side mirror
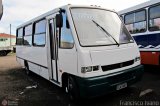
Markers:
point(59, 20)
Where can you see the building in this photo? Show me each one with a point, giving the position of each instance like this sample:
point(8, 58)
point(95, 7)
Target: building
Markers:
point(5, 40)
point(1, 9)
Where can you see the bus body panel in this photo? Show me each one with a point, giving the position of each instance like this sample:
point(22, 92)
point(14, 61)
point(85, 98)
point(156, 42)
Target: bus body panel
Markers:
point(105, 56)
point(149, 47)
point(36, 58)
point(35, 55)
point(150, 58)
point(115, 56)
point(68, 62)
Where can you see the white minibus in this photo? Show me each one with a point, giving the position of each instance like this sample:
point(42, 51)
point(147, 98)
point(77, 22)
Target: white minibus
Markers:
point(87, 50)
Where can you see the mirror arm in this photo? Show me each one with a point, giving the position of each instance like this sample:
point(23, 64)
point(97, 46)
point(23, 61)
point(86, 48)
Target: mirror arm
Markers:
point(61, 10)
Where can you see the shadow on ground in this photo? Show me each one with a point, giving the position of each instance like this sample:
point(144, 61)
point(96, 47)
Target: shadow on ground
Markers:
point(40, 92)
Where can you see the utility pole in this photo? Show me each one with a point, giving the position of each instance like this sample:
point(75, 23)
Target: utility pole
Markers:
point(10, 35)
point(1, 9)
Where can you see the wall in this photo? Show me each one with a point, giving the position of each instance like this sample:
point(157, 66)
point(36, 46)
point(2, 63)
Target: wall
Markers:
point(6, 43)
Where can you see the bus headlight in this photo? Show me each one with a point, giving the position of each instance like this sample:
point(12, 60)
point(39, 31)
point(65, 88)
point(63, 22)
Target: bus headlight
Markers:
point(137, 59)
point(89, 69)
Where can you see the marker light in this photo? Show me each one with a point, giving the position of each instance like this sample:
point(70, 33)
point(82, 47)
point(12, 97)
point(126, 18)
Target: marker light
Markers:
point(137, 59)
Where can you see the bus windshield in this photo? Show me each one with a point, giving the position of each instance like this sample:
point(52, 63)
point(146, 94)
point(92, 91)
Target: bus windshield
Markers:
point(97, 27)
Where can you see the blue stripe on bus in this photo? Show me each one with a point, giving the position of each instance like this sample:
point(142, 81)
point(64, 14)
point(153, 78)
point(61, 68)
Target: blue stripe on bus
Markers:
point(150, 39)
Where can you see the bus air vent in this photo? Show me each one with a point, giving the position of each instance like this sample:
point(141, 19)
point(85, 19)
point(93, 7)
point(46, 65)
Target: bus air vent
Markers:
point(118, 65)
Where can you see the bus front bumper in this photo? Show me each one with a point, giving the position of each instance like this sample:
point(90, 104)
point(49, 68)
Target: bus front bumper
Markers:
point(101, 85)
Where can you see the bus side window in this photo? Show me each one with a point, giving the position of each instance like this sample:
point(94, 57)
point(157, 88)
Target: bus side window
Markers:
point(66, 38)
point(140, 22)
point(28, 35)
point(20, 36)
point(136, 22)
point(39, 33)
point(154, 18)
point(129, 20)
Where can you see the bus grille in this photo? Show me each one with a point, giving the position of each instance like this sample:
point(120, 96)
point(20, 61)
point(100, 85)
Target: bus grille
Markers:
point(118, 65)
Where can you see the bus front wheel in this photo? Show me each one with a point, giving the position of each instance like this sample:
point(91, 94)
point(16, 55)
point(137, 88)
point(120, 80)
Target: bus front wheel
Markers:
point(72, 89)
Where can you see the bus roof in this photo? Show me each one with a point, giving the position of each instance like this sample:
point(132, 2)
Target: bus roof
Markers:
point(139, 6)
point(56, 10)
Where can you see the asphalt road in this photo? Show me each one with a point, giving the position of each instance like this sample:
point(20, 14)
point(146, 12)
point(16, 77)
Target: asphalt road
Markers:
point(17, 89)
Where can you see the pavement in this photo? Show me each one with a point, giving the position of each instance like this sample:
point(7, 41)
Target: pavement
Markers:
point(18, 89)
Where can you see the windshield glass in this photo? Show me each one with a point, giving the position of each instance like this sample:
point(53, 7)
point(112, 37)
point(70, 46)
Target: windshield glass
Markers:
point(96, 27)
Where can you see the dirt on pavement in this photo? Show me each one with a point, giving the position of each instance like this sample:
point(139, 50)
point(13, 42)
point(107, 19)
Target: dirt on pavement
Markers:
point(18, 89)
point(12, 79)
point(8, 62)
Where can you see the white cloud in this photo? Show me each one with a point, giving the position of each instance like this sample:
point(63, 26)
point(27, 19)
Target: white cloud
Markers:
point(18, 11)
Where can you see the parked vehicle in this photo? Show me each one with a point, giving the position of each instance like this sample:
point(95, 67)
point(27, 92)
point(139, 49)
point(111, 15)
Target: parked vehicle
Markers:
point(4, 51)
point(143, 22)
point(87, 50)
point(7, 43)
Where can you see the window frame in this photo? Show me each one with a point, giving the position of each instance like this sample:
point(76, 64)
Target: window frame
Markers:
point(99, 9)
point(33, 32)
point(20, 36)
point(152, 6)
point(27, 26)
point(125, 17)
point(28, 35)
point(144, 13)
point(122, 17)
point(134, 12)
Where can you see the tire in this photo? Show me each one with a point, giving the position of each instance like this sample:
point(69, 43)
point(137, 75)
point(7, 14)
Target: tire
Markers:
point(0, 53)
point(4, 53)
point(72, 89)
point(27, 71)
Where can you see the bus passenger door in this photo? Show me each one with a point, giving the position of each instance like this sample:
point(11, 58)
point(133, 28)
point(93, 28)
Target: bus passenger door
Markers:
point(52, 50)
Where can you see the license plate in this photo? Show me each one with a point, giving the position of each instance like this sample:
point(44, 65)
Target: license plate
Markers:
point(121, 86)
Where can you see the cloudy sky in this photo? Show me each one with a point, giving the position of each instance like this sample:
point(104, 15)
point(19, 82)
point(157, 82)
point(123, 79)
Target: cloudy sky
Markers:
point(17, 12)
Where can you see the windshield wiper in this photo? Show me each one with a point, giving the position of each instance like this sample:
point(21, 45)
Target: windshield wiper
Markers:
point(106, 32)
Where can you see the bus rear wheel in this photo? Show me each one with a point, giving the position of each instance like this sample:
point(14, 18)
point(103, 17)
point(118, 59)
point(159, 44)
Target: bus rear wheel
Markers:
point(72, 89)
point(27, 71)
